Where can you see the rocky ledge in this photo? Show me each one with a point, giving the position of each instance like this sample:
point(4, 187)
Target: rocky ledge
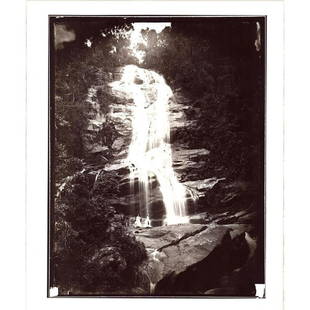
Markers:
point(195, 259)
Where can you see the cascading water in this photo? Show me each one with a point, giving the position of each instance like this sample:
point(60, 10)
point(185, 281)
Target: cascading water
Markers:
point(150, 154)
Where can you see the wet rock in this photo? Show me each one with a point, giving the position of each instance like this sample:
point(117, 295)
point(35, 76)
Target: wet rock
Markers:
point(205, 193)
point(227, 220)
point(223, 291)
point(118, 165)
point(200, 188)
point(241, 281)
point(239, 229)
point(179, 252)
point(126, 188)
point(247, 218)
point(138, 291)
point(191, 259)
point(200, 218)
point(159, 237)
point(118, 144)
point(156, 208)
point(185, 159)
point(138, 81)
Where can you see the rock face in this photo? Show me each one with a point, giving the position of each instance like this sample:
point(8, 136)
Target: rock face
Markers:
point(202, 191)
point(213, 255)
point(191, 259)
point(186, 162)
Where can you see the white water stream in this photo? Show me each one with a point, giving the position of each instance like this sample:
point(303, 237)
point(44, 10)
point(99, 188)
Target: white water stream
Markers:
point(150, 154)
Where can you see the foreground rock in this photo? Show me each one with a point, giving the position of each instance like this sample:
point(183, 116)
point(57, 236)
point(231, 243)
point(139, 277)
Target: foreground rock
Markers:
point(190, 259)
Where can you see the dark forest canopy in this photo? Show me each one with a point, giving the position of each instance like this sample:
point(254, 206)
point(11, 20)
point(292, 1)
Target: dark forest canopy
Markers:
point(236, 34)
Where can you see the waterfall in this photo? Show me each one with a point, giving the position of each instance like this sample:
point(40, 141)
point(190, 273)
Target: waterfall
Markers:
point(150, 154)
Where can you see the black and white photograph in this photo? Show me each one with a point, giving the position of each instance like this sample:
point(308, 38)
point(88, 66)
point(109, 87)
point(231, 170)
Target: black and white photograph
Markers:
point(156, 151)
point(154, 154)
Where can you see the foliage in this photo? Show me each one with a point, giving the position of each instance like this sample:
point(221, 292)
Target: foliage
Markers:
point(222, 75)
point(78, 69)
point(94, 249)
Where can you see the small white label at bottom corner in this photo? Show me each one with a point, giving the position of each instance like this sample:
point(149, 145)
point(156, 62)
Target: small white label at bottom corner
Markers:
point(260, 290)
point(53, 292)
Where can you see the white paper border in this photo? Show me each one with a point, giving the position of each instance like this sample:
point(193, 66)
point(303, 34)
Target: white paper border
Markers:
point(37, 147)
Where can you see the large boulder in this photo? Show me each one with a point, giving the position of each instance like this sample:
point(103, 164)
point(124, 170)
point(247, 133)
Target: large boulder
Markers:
point(189, 259)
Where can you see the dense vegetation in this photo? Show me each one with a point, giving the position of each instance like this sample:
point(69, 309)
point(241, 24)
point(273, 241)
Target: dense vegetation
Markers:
point(94, 250)
point(223, 75)
point(77, 68)
point(217, 65)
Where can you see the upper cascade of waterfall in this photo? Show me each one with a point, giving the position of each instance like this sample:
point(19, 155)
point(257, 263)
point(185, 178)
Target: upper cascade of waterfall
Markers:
point(150, 154)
